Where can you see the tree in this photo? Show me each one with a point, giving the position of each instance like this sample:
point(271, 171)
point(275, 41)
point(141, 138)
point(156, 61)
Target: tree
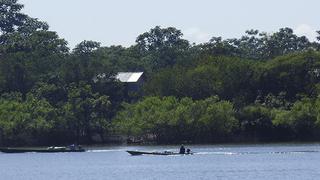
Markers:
point(171, 120)
point(291, 74)
point(54, 92)
point(216, 46)
point(229, 78)
point(284, 42)
point(26, 122)
point(162, 46)
point(28, 51)
point(26, 60)
point(83, 64)
point(86, 112)
point(86, 47)
point(301, 119)
point(256, 122)
point(258, 45)
point(12, 20)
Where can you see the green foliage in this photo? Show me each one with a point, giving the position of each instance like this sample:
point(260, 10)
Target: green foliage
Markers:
point(22, 121)
point(86, 112)
point(12, 20)
point(86, 47)
point(27, 59)
point(53, 92)
point(268, 85)
point(229, 78)
point(255, 45)
point(171, 120)
point(256, 122)
point(292, 74)
point(301, 118)
point(161, 47)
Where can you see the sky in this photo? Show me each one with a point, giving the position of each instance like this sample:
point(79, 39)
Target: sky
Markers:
point(119, 22)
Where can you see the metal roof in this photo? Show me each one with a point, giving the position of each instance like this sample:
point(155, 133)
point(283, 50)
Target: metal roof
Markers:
point(129, 76)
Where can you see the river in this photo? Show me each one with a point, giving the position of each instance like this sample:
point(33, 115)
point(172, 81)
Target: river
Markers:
point(262, 161)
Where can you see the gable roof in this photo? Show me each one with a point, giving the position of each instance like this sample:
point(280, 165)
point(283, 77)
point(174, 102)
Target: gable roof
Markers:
point(129, 76)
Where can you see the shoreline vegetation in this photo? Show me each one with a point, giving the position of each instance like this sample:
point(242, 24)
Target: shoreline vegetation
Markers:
point(260, 87)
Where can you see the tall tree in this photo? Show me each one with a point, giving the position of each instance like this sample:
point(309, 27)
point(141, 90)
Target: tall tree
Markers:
point(13, 20)
point(258, 45)
point(162, 46)
point(86, 112)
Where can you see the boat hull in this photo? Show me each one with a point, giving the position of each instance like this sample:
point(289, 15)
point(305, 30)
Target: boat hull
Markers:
point(166, 153)
point(22, 150)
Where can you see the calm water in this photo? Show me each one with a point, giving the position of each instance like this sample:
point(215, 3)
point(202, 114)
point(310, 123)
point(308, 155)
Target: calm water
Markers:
point(271, 161)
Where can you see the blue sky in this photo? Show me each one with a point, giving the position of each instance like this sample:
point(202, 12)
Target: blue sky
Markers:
point(119, 22)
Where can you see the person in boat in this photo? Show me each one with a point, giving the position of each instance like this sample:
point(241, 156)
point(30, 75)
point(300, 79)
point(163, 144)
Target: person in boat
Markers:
point(182, 150)
point(188, 151)
point(72, 147)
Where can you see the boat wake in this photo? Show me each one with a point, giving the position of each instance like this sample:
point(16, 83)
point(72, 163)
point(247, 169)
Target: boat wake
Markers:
point(216, 153)
point(249, 153)
point(104, 150)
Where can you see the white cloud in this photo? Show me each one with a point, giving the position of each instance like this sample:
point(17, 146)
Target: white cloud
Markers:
point(306, 30)
point(196, 35)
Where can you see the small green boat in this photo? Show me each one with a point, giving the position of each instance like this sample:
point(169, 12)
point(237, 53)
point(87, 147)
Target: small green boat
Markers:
point(165, 153)
point(40, 150)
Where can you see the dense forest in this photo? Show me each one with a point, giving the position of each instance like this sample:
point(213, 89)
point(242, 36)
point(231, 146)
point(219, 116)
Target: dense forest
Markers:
point(256, 88)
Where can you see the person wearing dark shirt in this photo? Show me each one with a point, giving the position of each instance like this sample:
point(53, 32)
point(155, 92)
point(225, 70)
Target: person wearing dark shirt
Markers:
point(182, 150)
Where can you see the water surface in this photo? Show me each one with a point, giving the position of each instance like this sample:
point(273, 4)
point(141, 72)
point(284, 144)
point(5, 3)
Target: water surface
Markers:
point(268, 161)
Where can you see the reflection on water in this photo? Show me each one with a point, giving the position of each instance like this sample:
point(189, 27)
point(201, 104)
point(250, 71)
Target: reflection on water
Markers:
point(267, 161)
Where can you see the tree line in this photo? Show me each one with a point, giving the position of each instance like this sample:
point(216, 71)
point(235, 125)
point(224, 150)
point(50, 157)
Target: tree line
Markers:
point(259, 87)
